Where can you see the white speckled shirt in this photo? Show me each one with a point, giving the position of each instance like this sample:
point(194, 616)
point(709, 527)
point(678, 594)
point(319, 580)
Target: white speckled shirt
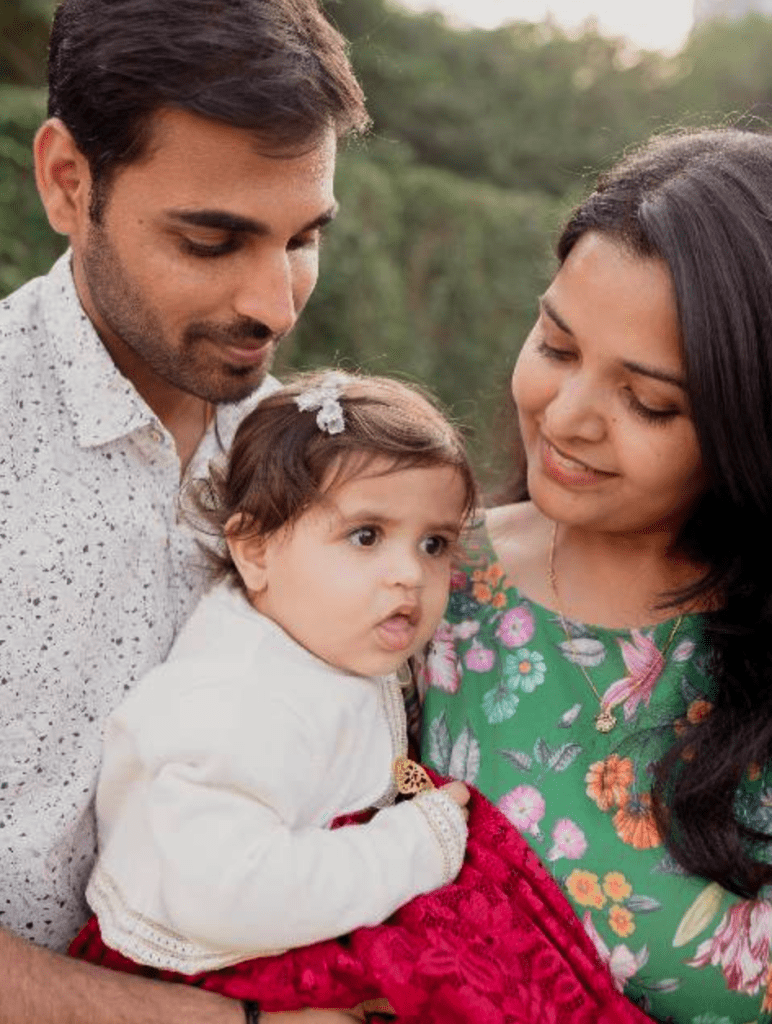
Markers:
point(97, 574)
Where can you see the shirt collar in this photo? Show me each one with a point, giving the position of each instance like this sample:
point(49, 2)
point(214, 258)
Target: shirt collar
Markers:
point(102, 403)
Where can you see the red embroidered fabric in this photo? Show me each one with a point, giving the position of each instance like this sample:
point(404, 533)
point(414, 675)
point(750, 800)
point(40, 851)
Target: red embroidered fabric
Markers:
point(500, 945)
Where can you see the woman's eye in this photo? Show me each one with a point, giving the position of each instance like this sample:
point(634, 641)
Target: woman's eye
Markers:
point(364, 536)
point(550, 352)
point(434, 546)
point(649, 414)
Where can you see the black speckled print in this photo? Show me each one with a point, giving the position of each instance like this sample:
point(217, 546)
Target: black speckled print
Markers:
point(96, 577)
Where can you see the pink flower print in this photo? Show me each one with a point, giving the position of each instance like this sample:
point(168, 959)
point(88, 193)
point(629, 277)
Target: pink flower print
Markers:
point(516, 626)
point(524, 806)
point(568, 841)
point(740, 946)
point(441, 668)
point(479, 658)
point(644, 663)
point(458, 580)
point(621, 961)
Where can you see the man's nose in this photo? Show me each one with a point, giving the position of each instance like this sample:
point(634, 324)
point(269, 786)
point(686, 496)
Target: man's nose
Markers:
point(266, 293)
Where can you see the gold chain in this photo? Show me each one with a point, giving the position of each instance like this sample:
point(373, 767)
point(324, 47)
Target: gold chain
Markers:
point(605, 720)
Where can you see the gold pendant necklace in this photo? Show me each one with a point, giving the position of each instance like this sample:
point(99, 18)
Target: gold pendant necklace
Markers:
point(605, 720)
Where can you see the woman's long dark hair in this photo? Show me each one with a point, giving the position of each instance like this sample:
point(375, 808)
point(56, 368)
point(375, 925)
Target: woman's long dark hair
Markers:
point(702, 202)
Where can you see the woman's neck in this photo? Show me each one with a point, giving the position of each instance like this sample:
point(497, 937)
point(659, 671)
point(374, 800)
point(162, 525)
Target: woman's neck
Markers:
point(615, 580)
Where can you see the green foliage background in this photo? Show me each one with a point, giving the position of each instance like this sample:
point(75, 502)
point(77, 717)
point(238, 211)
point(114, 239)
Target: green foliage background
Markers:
point(482, 141)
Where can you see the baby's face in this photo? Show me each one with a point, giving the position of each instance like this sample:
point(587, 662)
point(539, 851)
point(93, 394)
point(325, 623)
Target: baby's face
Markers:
point(361, 580)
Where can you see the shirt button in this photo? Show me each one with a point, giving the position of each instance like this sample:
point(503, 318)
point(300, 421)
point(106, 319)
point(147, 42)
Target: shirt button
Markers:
point(156, 435)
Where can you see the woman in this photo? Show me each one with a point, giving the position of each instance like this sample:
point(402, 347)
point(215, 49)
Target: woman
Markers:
point(634, 752)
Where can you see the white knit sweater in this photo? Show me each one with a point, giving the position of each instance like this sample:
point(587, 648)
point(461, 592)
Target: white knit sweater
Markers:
point(222, 773)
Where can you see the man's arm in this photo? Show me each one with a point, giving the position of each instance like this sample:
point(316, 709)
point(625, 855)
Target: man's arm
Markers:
point(47, 988)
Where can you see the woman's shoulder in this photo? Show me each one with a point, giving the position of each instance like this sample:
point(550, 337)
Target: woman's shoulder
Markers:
point(519, 536)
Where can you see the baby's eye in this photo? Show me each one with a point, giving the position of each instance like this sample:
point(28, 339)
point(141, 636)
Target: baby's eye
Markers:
point(364, 536)
point(434, 545)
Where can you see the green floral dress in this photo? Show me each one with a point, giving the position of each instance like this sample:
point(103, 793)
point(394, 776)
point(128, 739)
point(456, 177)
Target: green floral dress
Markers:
point(508, 708)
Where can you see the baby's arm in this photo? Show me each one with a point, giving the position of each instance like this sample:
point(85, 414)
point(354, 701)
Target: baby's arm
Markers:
point(225, 802)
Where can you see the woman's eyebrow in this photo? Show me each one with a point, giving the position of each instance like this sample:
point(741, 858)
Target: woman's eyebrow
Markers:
point(553, 314)
point(656, 374)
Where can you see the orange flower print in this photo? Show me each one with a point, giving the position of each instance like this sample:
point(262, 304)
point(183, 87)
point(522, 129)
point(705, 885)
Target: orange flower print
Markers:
point(616, 887)
point(494, 575)
point(754, 771)
point(482, 592)
point(499, 600)
point(698, 711)
point(584, 889)
point(608, 781)
point(621, 921)
point(635, 825)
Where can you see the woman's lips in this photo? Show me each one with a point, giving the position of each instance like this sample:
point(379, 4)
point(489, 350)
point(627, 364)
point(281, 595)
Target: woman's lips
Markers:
point(569, 471)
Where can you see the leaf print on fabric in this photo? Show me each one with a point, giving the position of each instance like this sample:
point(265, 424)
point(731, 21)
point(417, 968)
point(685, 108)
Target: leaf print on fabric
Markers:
point(524, 806)
point(643, 904)
point(621, 961)
point(516, 626)
point(699, 915)
point(479, 658)
point(465, 756)
point(683, 651)
point(441, 668)
point(740, 946)
point(586, 651)
point(524, 669)
point(563, 757)
point(568, 841)
point(518, 759)
point(500, 703)
point(568, 718)
point(644, 663)
point(439, 744)
point(711, 1018)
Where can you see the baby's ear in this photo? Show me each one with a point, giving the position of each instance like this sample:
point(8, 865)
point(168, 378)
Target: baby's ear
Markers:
point(248, 551)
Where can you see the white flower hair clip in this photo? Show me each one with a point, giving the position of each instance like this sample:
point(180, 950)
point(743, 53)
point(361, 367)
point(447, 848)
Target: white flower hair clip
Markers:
point(325, 397)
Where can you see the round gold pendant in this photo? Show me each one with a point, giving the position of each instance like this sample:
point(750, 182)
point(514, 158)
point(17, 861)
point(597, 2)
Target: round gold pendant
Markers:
point(605, 721)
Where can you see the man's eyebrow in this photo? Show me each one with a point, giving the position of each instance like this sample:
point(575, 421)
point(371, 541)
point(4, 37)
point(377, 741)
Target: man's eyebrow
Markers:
point(226, 221)
point(553, 314)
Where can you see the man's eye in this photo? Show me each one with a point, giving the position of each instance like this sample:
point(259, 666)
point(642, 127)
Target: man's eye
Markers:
point(364, 536)
point(434, 546)
point(211, 251)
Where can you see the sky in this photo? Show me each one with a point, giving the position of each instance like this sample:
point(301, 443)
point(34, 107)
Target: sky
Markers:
point(649, 24)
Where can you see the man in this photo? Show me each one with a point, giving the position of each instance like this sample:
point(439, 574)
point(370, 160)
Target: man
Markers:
point(189, 157)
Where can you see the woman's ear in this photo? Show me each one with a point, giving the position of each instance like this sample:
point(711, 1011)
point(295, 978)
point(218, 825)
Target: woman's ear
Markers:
point(63, 178)
point(248, 551)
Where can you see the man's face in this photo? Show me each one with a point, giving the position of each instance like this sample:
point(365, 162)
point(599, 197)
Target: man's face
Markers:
point(205, 254)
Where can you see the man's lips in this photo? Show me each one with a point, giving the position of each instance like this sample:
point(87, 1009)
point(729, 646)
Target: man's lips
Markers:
point(568, 470)
point(248, 354)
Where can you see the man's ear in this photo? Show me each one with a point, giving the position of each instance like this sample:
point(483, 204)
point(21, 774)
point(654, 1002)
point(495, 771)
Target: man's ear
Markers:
point(249, 554)
point(62, 177)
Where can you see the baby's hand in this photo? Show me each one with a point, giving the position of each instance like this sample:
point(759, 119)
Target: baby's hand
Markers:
point(459, 794)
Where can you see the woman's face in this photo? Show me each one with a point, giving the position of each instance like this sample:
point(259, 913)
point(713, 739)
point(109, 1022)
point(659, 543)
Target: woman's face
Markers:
point(601, 396)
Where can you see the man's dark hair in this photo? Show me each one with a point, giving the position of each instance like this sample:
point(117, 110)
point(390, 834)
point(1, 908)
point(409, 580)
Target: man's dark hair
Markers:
point(702, 202)
point(275, 67)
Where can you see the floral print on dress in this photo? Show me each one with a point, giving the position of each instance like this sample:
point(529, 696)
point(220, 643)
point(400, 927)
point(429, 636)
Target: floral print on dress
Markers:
point(523, 728)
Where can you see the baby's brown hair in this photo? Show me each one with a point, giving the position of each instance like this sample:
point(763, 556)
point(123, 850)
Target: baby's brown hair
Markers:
point(282, 461)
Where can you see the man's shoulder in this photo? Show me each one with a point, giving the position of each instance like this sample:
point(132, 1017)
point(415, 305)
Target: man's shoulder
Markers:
point(21, 317)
